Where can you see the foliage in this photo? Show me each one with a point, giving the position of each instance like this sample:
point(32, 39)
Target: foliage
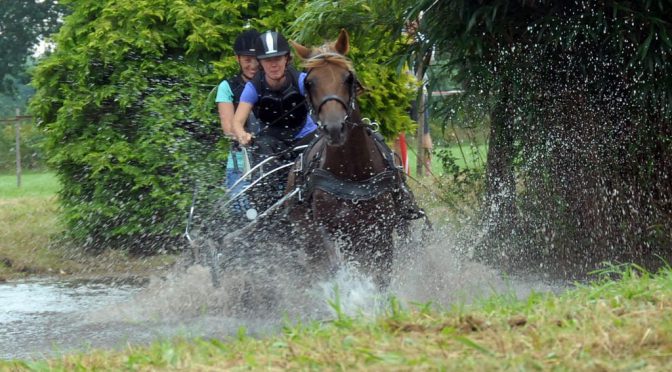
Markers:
point(374, 50)
point(124, 102)
point(10, 102)
point(460, 186)
point(22, 25)
point(580, 109)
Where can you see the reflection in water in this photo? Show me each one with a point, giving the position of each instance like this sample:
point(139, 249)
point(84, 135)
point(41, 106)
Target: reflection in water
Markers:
point(42, 318)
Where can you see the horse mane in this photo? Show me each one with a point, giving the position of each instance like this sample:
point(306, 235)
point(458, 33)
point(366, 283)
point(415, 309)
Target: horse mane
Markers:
point(324, 55)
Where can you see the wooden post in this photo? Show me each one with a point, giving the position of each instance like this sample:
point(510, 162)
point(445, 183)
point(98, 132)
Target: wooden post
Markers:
point(421, 65)
point(17, 126)
point(420, 157)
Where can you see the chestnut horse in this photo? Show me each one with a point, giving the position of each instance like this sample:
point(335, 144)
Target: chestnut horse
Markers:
point(352, 194)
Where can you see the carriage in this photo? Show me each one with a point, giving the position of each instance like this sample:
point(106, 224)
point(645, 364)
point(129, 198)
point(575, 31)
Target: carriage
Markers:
point(345, 195)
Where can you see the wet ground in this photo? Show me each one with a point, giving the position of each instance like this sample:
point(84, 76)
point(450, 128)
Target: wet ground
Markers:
point(44, 318)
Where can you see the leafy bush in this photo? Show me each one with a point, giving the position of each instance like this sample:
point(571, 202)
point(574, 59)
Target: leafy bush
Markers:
point(124, 102)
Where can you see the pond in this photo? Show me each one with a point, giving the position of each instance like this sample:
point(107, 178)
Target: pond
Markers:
point(43, 318)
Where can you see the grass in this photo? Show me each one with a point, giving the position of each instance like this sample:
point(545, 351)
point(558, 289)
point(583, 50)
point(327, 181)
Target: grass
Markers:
point(32, 185)
point(28, 220)
point(624, 324)
point(466, 157)
point(31, 236)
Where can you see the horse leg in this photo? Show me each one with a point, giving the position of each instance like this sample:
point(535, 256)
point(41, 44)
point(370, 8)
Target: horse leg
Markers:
point(375, 256)
point(384, 255)
point(321, 255)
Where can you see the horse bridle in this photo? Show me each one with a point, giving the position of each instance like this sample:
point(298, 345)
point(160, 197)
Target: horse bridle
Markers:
point(349, 105)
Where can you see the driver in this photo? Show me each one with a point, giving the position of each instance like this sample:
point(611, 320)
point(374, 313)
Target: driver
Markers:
point(228, 95)
point(276, 96)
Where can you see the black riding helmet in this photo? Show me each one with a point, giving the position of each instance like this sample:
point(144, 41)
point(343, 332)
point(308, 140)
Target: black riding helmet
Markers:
point(245, 44)
point(271, 44)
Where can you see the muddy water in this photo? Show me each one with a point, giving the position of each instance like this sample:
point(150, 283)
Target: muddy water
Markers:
point(38, 316)
point(44, 318)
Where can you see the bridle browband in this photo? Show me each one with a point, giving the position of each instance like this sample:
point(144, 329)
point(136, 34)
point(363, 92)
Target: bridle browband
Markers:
point(348, 105)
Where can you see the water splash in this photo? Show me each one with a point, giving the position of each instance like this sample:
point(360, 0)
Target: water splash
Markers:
point(351, 293)
point(263, 296)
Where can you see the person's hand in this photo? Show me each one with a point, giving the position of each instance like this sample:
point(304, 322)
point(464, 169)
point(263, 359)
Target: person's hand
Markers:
point(243, 137)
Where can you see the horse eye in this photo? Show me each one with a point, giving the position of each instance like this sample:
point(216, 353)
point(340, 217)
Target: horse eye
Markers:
point(349, 79)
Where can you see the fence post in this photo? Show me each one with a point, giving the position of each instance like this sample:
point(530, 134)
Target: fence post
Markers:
point(17, 126)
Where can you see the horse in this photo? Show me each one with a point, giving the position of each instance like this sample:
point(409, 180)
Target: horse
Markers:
point(352, 193)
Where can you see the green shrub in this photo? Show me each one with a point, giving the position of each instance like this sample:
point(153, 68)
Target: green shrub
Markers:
point(124, 103)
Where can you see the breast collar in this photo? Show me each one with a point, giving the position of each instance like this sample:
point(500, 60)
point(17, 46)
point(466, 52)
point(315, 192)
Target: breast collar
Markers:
point(312, 178)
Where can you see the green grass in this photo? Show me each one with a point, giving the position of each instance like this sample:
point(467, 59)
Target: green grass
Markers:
point(623, 324)
point(468, 157)
point(606, 326)
point(31, 232)
point(32, 185)
point(27, 225)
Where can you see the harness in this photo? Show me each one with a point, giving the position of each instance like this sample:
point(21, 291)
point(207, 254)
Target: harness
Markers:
point(282, 112)
point(309, 178)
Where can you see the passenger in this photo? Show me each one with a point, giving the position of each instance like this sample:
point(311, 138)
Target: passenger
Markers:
point(228, 96)
point(276, 96)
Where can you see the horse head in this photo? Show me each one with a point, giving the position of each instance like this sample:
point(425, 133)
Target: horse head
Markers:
point(331, 87)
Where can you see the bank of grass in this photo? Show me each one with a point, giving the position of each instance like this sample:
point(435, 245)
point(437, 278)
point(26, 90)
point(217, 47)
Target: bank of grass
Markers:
point(31, 242)
point(623, 324)
point(465, 156)
point(452, 198)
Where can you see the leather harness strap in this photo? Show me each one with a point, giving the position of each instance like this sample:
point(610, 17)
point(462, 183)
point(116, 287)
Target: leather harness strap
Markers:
point(310, 177)
point(320, 179)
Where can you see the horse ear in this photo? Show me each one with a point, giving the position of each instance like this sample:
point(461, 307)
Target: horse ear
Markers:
point(342, 44)
point(302, 51)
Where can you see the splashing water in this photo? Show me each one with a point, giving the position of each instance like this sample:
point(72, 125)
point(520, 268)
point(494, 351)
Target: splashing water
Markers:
point(260, 298)
point(351, 293)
